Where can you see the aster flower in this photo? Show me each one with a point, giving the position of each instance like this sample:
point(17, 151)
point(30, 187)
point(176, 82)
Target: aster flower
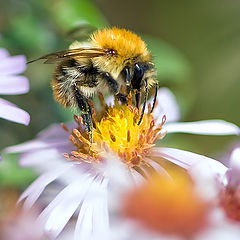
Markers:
point(80, 165)
point(11, 84)
point(224, 183)
point(205, 206)
point(164, 207)
point(16, 224)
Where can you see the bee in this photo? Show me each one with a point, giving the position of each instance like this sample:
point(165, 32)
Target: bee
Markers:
point(114, 60)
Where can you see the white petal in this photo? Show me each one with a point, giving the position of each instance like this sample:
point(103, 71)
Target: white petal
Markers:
point(233, 174)
point(36, 158)
point(234, 162)
point(84, 226)
point(208, 127)
point(93, 220)
point(53, 216)
point(35, 189)
point(100, 214)
point(161, 171)
point(207, 178)
point(166, 105)
point(183, 158)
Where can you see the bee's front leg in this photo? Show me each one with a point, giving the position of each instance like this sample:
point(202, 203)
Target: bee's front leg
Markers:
point(85, 111)
point(114, 87)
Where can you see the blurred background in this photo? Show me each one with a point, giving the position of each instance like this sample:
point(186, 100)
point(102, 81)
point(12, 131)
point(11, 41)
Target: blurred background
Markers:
point(196, 46)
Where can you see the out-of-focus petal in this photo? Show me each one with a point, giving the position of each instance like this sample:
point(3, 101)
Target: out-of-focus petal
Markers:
point(36, 188)
point(13, 85)
point(35, 145)
point(14, 114)
point(55, 215)
point(184, 159)
point(12, 65)
point(3, 53)
point(93, 220)
point(207, 178)
point(5, 102)
point(208, 127)
point(233, 174)
point(166, 105)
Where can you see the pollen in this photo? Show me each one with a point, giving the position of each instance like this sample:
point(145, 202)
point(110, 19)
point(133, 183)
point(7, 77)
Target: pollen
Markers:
point(167, 207)
point(116, 130)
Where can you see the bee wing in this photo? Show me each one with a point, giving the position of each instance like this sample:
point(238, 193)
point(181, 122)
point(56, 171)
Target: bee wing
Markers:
point(71, 53)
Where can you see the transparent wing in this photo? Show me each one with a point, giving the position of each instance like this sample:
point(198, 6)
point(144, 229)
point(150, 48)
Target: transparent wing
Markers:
point(72, 53)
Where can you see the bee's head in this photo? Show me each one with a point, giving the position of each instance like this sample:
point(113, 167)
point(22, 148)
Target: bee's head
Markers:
point(125, 48)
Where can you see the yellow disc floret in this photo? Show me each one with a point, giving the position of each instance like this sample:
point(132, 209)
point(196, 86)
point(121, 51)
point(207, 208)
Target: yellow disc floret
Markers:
point(117, 131)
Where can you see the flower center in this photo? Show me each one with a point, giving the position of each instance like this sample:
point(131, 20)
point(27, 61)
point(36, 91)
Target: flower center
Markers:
point(167, 206)
point(116, 129)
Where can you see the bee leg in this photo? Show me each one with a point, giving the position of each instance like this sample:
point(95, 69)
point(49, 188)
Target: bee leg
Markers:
point(137, 99)
point(144, 101)
point(127, 77)
point(114, 87)
point(85, 111)
point(155, 97)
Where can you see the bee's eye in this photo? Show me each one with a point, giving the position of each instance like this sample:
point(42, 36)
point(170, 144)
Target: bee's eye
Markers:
point(138, 71)
point(111, 52)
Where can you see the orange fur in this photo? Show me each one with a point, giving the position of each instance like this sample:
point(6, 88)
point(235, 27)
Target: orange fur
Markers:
point(129, 48)
point(126, 43)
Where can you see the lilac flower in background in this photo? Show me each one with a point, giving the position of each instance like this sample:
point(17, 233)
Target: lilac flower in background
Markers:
point(85, 183)
point(12, 84)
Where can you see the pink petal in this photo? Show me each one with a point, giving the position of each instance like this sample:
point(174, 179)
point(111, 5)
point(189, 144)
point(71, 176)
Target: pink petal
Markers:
point(55, 131)
point(37, 145)
point(3, 53)
point(208, 127)
point(10, 85)
point(5, 102)
point(182, 158)
point(166, 105)
point(12, 65)
point(14, 114)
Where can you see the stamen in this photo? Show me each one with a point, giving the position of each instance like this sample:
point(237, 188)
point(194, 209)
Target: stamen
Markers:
point(80, 137)
point(128, 136)
point(112, 136)
point(130, 108)
point(115, 129)
point(164, 119)
point(64, 127)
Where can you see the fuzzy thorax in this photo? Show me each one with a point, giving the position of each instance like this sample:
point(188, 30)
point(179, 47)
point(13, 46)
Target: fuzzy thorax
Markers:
point(129, 48)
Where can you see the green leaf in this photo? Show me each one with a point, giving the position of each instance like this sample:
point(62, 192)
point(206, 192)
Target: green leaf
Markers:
point(13, 175)
point(68, 14)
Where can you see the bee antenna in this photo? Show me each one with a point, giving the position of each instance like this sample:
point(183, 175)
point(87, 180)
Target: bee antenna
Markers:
point(144, 102)
point(155, 97)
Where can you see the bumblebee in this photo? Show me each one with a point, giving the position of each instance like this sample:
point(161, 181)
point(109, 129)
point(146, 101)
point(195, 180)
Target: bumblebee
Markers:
point(114, 60)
